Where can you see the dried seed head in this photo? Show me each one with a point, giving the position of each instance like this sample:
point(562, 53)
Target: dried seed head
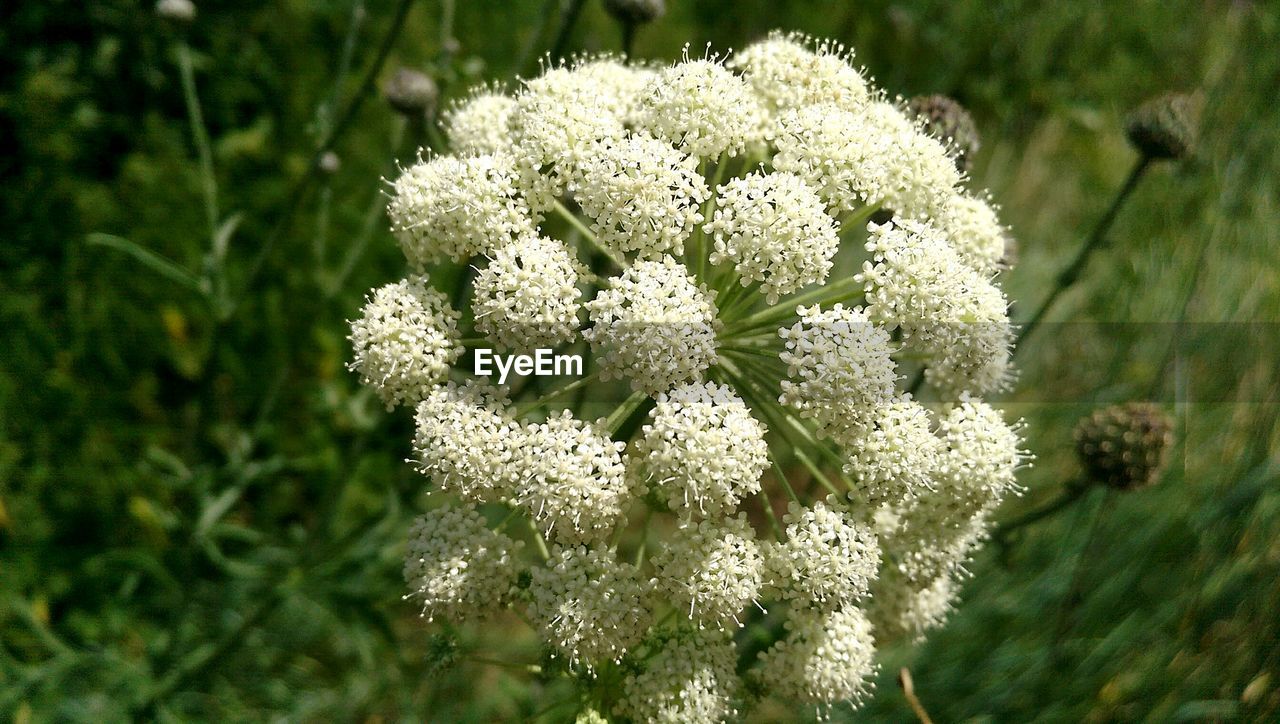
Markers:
point(946, 119)
point(636, 11)
point(1165, 126)
point(1125, 446)
point(411, 92)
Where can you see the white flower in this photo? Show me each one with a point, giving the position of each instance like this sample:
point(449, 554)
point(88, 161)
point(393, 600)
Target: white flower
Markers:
point(872, 155)
point(702, 108)
point(934, 538)
point(456, 567)
point(947, 309)
point(468, 443)
point(704, 451)
point(790, 70)
point(972, 225)
point(620, 85)
point(478, 123)
point(691, 680)
point(405, 340)
point(557, 119)
point(527, 296)
point(828, 560)
point(775, 230)
point(838, 366)
point(892, 454)
point(590, 606)
point(574, 483)
point(457, 207)
point(654, 326)
point(711, 571)
point(983, 454)
point(827, 657)
point(640, 194)
point(901, 608)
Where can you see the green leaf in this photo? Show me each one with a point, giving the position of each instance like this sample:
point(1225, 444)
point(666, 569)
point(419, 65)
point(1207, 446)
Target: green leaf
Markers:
point(149, 259)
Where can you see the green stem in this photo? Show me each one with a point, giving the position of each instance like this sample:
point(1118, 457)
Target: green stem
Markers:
point(587, 235)
point(781, 475)
point(344, 123)
point(818, 475)
point(200, 134)
point(560, 392)
point(623, 411)
point(786, 308)
point(1068, 276)
point(858, 217)
point(1070, 494)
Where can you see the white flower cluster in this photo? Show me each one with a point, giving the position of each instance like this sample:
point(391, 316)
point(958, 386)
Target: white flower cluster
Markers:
point(478, 124)
point(574, 486)
point(467, 442)
point(827, 657)
point(405, 340)
point(527, 296)
point(838, 366)
point(872, 155)
point(456, 207)
point(774, 229)
point(640, 194)
point(789, 71)
point(702, 108)
point(703, 451)
point(654, 326)
point(916, 281)
point(590, 606)
point(714, 194)
point(691, 680)
point(456, 567)
point(712, 570)
point(828, 560)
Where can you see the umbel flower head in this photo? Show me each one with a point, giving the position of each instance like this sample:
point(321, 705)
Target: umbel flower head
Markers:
point(699, 232)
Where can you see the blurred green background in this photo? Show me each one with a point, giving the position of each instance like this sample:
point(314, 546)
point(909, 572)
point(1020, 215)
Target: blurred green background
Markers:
point(201, 513)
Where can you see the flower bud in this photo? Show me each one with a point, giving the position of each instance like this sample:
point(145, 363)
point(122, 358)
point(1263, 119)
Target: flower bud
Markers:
point(178, 11)
point(946, 119)
point(1165, 126)
point(1125, 446)
point(411, 92)
point(330, 162)
point(636, 11)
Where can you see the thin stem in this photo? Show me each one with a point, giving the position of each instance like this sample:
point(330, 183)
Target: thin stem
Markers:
point(587, 234)
point(564, 390)
point(1068, 276)
point(568, 19)
point(786, 307)
point(909, 692)
point(623, 411)
point(858, 217)
point(781, 475)
point(345, 121)
point(818, 475)
point(200, 134)
point(768, 512)
point(538, 541)
point(628, 36)
point(1070, 494)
